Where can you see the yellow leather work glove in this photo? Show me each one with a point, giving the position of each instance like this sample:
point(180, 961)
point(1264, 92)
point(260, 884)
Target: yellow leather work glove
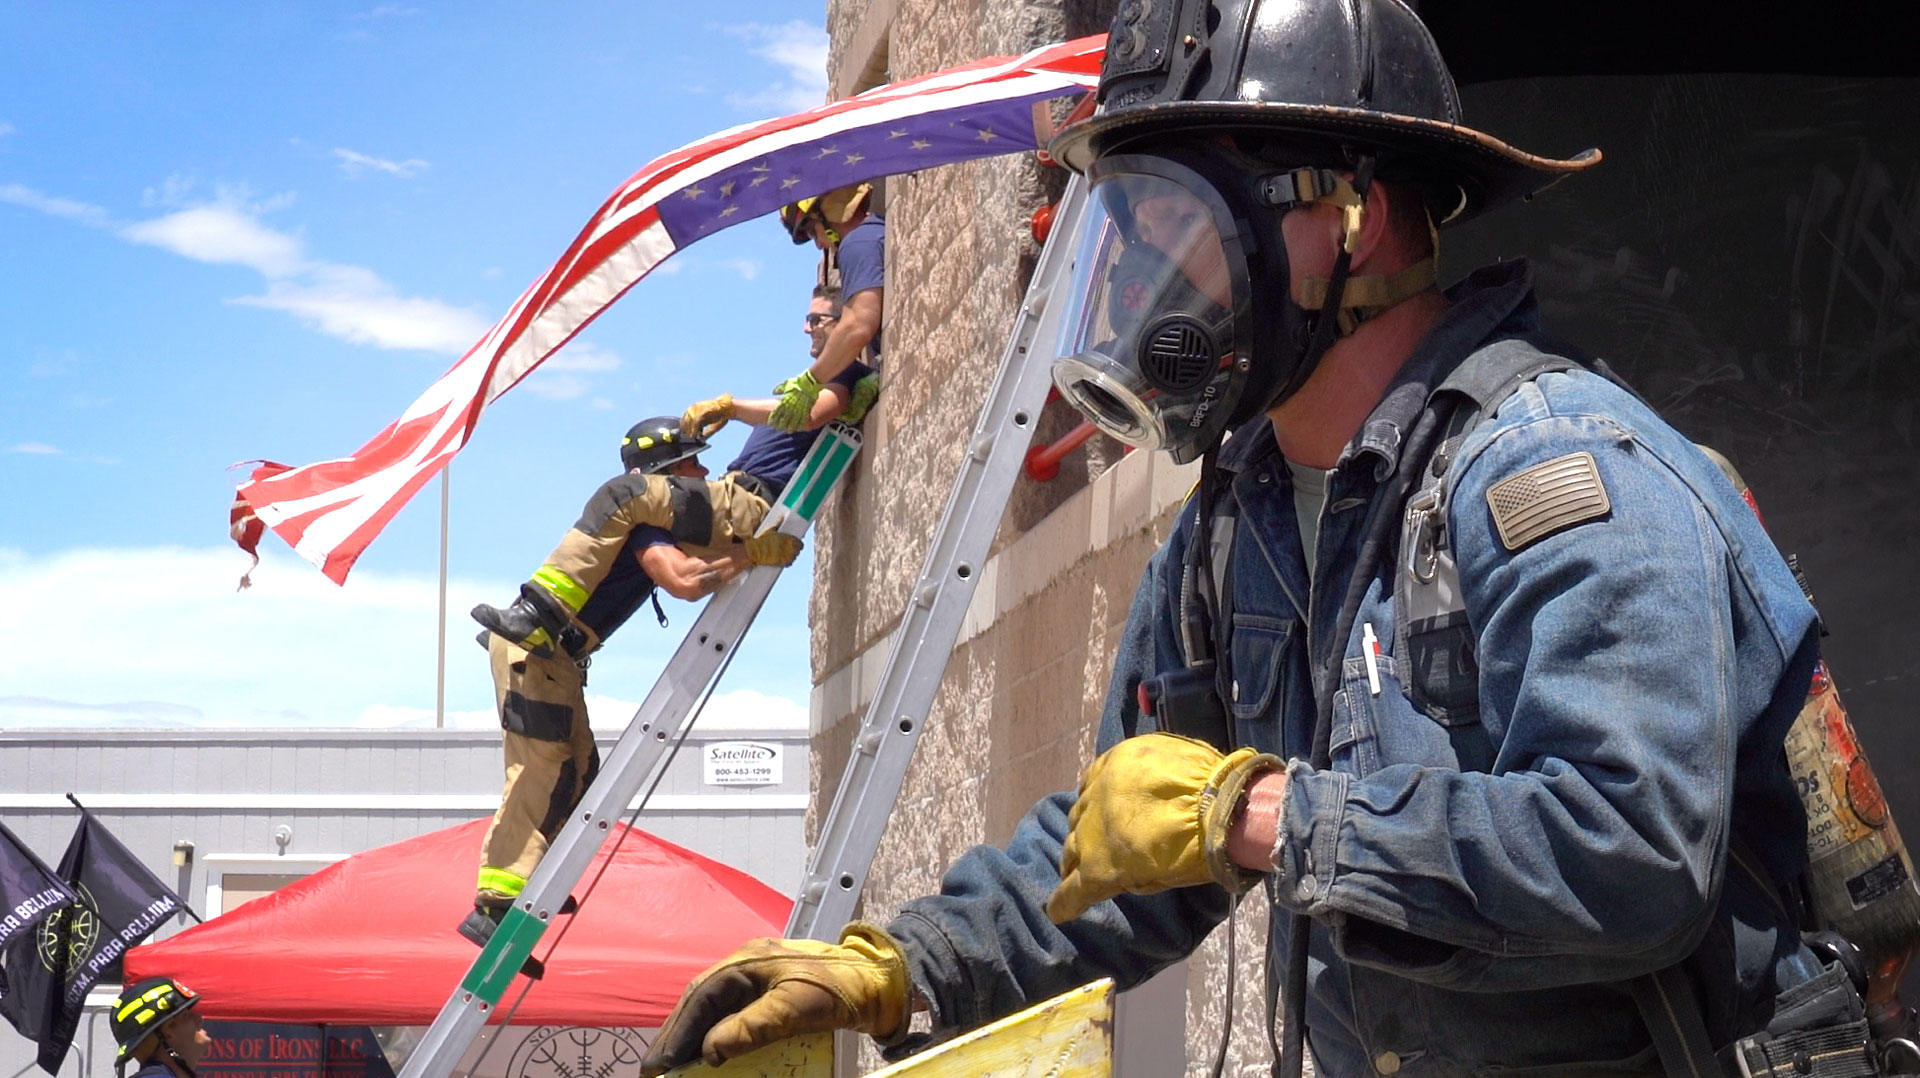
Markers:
point(773, 548)
point(772, 989)
point(1153, 814)
point(860, 401)
point(705, 418)
point(797, 395)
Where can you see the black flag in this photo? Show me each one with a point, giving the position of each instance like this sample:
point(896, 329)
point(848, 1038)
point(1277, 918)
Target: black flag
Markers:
point(50, 971)
point(29, 890)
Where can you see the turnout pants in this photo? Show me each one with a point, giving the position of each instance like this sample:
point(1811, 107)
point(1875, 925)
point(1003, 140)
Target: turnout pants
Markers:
point(550, 759)
point(699, 513)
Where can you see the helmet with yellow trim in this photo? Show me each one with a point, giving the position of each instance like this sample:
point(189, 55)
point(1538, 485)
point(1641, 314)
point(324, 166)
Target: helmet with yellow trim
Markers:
point(1219, 118)
point(835, 208)
point(654, 445)
point(143, 1008)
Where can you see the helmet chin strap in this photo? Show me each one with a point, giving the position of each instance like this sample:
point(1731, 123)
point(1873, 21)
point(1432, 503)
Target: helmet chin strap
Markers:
point(1306, 185)
point(1363, 297)
point(173, 1057)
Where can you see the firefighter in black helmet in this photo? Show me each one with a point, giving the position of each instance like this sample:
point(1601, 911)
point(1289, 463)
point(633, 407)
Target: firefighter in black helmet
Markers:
point(157, 1028)
point(663, 489)
point(538, 647)
point(1412, 653)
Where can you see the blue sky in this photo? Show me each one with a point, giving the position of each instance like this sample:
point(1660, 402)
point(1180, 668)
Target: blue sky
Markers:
point(230, 233)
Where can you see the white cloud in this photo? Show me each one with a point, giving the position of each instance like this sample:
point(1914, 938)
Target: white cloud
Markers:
point(349, 302)
point(740, 709)
point(394, 717)
point(354, 304)
point(175, 191)
point(346, 301)
point(355, 164)
point(799, 49)
point(7, 129)
point(745, 709)
point(32, 711)
point(563, 376)
point(222, 234)
point(582, 356)
point(747, 268)
point(42, 449)
point(341, 300)
point(184, 649)
point(82, 212)
point(387, 11)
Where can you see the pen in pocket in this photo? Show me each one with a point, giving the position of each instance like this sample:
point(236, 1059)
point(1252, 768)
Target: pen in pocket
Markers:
point(1370, 644)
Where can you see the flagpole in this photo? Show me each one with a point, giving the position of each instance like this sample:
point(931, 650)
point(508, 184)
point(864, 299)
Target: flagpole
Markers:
point(440, 660)
point(84, 811)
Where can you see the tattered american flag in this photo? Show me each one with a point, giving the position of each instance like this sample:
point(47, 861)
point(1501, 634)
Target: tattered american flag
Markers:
point(329, 512)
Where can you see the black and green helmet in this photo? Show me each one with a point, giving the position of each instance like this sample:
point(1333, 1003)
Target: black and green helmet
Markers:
point(654, 445)
point(144, 1007)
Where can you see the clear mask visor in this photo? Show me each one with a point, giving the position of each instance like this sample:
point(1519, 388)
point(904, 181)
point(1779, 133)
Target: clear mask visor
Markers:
point(1147, 346)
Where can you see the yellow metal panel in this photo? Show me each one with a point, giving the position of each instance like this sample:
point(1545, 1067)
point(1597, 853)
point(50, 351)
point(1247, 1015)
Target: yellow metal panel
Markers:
point(1068, 1036)
point(797, 1057)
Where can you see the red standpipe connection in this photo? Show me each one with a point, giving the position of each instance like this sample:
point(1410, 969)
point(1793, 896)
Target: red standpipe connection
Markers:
point(1043, 461)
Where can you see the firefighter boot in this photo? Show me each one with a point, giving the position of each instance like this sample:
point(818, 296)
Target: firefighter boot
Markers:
point(532, 621)
point(485, 918)
point(479, 926)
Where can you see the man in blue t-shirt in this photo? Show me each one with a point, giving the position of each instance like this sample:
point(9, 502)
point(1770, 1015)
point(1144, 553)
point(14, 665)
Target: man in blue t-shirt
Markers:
point(539, 685)
point(771, 454)
point(838, 223)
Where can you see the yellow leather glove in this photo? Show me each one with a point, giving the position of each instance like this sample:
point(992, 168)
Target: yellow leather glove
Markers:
point(773, 548)
point(860, 401)
point(705, 418)
point(1152, 815)
point(797, 395)
point(772, 989)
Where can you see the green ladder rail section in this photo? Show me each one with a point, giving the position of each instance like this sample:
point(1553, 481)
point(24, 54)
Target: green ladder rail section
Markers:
point(656, 726)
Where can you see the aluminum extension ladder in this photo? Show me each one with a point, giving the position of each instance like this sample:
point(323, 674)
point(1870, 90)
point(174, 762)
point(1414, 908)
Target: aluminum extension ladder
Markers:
point(922, 643)
point(851, 832)
point(656, 726)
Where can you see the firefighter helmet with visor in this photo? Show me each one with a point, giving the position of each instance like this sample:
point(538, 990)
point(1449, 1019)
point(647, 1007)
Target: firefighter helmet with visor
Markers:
point(1183, 321)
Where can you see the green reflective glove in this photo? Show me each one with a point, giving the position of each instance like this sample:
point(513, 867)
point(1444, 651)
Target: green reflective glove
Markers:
point(860, 401)
point(772, 989)
point(797, 395)
point(1152, 815)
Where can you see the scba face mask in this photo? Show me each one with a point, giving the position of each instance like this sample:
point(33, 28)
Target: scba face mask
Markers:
point(1165, 344)
point(1155, 346)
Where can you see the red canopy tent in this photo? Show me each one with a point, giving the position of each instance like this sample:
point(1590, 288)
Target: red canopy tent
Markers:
point(371, 940)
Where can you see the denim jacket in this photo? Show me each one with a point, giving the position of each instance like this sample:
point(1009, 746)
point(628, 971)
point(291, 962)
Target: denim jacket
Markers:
point(1480, 888)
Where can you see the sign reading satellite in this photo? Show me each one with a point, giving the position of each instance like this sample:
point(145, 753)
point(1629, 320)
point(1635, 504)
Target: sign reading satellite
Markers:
point(742, 763)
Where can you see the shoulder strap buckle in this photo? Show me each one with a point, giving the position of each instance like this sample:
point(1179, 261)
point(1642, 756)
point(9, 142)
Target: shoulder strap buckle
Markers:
point(1425, 513)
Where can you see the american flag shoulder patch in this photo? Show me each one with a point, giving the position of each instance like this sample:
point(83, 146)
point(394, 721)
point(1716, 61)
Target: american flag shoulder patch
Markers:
point(1549, 497)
